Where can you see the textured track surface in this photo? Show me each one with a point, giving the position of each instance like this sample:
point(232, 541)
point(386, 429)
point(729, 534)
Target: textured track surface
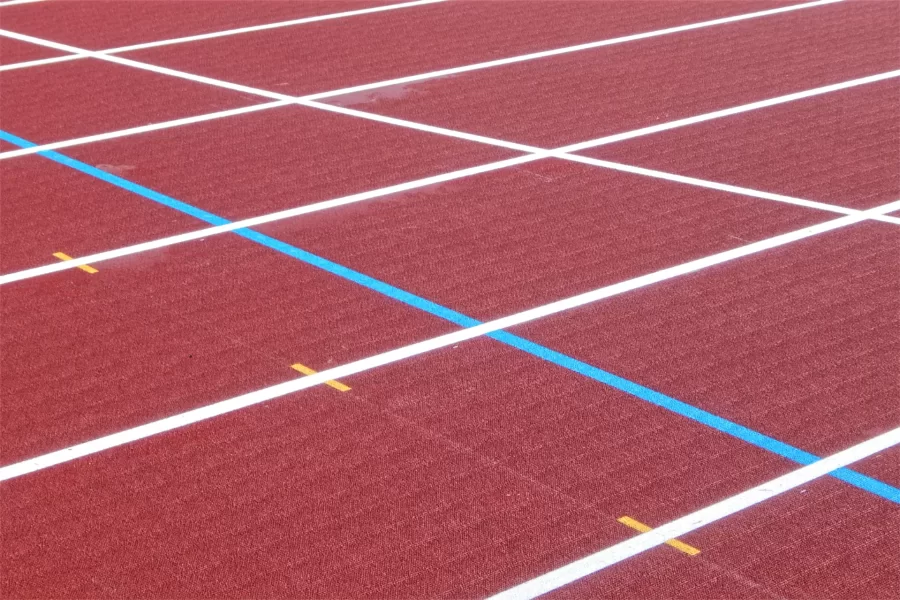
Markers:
point(798, 343)
point(104, 25)
point(465, 470)
point(14, 51)
point(420, 471)
point(282, 158)
point(89, 96)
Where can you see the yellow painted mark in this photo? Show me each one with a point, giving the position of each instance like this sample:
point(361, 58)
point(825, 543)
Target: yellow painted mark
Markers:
point(62, 256)
point(644, 528)
point(307, 371)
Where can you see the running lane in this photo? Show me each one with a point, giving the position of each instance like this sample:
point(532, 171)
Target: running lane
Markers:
point(257, 163)
point(822, 540)
point(574, 97)
point(162, 332)
point(104, 25)
point(800, 342)
point(336, 54)
point(510, 240)
point(884, 466)
point(60, 101)
point(842, 148)
point(48, 207)
point(454, 474)
point(243, 166)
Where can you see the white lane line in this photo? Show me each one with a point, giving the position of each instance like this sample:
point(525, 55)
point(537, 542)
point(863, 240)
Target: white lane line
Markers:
point(680, 527)
point(723, 187)
point(561, 154)
point(39, 62)
point(558, 153)
point(278, 25)
point(486, 64)
point(104, 55)
point(535, 154)
point(310, 97)
point(262, 219)
point(145, 66)
point(472, 137)
point(339, 373)
point(727, 112)
point(567, 49)
point(217, 34)
point(14, 2)
point(144, 129)
point(301, 100)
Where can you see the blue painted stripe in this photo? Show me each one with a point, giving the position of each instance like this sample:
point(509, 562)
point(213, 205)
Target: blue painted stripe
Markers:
point(567, 362)
point(696, 414)
point(118, 181)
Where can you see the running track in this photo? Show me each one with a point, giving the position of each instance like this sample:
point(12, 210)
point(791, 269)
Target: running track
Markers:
point(547, 269)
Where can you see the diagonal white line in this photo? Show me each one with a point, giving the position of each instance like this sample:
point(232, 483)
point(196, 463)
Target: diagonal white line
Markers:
point(217, 34)
point(232, 404)
point(589, 565)
point(593, 143)
point(727, 112)
point(41, 61)
point(562, 154)
point(568, 49)
point(144, 129)
point(723, 187)
point(267, 26)
point(145, 66)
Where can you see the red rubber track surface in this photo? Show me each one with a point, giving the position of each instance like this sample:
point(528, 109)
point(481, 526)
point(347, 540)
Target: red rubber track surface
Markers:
point(511, 240)
point(851, 554)
point(160, 335)
point(467, 470)
point(409, 485)
point(48, 207)
point(885, 466)
point(634, 85)
point(60, 101)
point(282, 158)
point(52, 208)
point(14, 51)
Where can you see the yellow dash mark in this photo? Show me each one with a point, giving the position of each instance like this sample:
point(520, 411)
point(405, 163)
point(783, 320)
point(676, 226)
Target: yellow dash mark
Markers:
point(62, 256)
point(307, 371)
point(644, 528)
